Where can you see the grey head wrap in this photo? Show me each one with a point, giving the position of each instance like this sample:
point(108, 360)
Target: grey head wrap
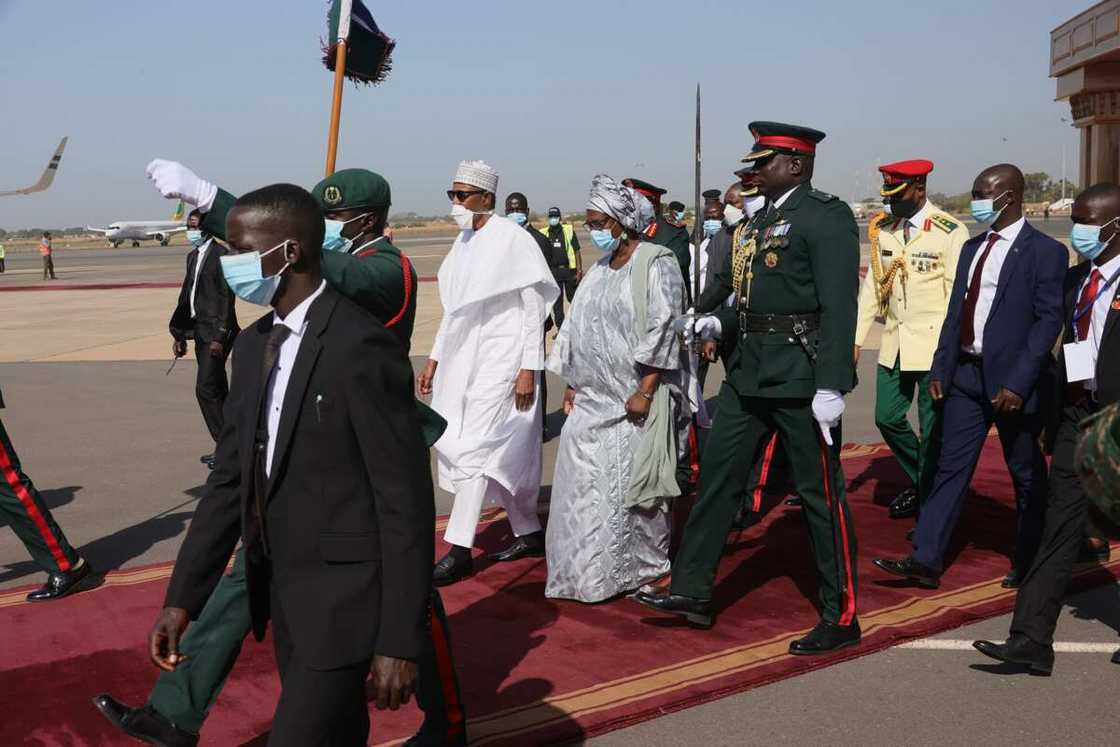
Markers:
point(626, 205)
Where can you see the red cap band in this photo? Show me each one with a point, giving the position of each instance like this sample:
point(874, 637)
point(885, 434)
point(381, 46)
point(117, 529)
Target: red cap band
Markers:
point(786, 142)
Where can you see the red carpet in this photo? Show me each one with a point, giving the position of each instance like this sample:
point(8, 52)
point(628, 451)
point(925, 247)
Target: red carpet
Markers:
point(536, 671)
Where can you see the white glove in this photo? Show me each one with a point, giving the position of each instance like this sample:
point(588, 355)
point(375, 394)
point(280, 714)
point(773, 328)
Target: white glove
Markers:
point(828, 406)
point(680, 324)
point(175, 181)
point(709, 328)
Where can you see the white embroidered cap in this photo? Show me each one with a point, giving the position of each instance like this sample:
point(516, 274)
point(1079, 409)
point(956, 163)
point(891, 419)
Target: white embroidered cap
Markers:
point(477, 174)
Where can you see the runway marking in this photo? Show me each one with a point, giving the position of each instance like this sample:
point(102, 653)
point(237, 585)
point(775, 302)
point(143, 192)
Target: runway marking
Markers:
point(956, 644)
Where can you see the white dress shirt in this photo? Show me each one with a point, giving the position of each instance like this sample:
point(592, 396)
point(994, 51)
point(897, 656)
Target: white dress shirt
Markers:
point(781, 200)
point(296, 321)
point(917, 219)
point(989, 281)
point(1101, 307)
point(197, 269)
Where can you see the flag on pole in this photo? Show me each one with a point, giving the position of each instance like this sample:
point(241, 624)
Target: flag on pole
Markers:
point(368, 50)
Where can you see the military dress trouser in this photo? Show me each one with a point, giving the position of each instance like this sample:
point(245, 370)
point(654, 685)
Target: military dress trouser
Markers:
point(742, 428)
point(916, 453)
point(1039, 600)
point(211, 385)
point(28, 516)
point(213, 643)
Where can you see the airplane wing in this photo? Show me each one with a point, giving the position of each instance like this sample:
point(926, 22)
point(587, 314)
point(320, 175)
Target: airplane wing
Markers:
point(48, 174)
point(98, 230)
point(166, 231)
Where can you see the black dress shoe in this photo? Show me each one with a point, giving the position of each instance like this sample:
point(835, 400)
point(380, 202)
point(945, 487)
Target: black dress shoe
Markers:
point(452, 568)
point(146, 724)
point(1116, 656)
point(905, 504)
point(212, 463)
point(206, 458)
point(794, 501)
point(61, 584)
point(826, 637)
point(911, 569)
point(436, 737)
point(1012, 579)
point(1019, 649)
point(696, 611)
point(531, 545)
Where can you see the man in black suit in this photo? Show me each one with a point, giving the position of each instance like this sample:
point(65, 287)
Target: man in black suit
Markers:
point(206, 314)
point(1089, 374)
point(321, 468)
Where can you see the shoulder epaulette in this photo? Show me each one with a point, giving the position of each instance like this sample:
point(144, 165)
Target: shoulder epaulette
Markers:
point(944, 223)
point(816, 194)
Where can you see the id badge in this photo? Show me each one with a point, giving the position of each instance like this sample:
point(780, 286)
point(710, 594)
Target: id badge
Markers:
point(1079, 361)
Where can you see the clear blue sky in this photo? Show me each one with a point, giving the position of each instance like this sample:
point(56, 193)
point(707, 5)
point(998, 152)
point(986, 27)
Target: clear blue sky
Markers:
point(548, 93)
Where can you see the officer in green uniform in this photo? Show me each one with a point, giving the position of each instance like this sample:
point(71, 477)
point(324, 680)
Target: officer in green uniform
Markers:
point(362, 265)
point(795, 268)
point(664, 233)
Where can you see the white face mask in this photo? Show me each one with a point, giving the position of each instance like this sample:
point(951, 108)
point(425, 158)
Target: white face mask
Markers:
point(754, 204)
point(464, 218)
point(732, 215)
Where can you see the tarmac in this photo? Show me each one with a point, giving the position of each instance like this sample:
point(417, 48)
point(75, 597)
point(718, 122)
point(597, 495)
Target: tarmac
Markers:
point(112, 439)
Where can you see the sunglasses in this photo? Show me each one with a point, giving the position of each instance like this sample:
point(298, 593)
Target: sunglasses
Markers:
point(462, 195)
point(597, 225)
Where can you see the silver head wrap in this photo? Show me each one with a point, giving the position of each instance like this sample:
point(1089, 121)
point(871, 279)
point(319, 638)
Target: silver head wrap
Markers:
point(626, 205)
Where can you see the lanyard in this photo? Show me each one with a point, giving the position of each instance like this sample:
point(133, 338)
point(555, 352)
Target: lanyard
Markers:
point(1087, 308)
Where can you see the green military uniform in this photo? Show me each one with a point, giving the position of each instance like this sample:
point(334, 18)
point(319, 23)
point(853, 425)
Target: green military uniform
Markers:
point(379, 278)
point(664, 233)
point(795, 269)
point(913, 263)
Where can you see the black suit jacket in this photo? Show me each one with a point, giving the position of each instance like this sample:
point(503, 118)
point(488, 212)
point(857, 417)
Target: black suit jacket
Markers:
point(1108, 356)
point(216, 319)
point(350, 508)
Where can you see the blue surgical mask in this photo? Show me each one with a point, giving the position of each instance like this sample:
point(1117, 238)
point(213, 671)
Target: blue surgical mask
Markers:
point(984, 210)
point(679, 215)
point(603, 239)
point(711, 225)
point(554, 221)
point(195, 237)
point(1086, 240)
point(518, 218)
point(333, 240)
point(246, 279)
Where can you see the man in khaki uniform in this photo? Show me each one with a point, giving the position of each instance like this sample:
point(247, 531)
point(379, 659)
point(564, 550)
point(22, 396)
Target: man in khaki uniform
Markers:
point(914, 251)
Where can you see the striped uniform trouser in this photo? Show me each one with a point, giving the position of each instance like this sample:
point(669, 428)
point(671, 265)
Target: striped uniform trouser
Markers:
point(28, 515)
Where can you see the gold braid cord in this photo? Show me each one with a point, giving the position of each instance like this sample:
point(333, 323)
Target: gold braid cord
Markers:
point(741, 255)
point(884, 281)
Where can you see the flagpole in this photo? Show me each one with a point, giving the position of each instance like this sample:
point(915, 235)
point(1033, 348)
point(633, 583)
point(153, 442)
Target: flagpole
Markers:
point(339, 77)
point(697, 230)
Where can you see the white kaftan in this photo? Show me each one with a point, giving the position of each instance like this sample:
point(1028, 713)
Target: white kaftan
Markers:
point(496, 290)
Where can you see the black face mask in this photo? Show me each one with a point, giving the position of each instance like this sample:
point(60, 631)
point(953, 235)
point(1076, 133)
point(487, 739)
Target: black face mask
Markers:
point(903, 208)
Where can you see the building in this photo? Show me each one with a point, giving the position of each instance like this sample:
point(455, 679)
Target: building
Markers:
point(1085, 60)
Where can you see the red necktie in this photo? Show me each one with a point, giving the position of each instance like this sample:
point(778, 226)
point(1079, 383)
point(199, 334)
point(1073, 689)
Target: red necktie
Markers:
point(968, 330)
point(1085, 304)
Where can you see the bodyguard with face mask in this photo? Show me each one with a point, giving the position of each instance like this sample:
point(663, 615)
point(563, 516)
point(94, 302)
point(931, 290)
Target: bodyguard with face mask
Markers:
point(205, 313)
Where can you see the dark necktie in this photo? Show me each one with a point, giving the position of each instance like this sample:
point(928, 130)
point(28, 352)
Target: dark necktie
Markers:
point(276, 338)
point(968, 329)
point(1085, 304)
point(906, 231)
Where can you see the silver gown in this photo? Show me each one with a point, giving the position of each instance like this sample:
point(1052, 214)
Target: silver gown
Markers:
point(596, 546)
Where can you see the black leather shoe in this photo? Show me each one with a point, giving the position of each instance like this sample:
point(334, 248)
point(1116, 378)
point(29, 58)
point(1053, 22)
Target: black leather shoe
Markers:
point(911, 569)
point(696, 611)
point(794, 501)
point(212, 463)
point(145, 724)
point(451, 568)
point(1116, 656)
point(206, 458)
point(826, 637)
point(62, 584)
point(905, 504)
point(531, 545)
point(432, 736)
point(1019, 649)
point(1012, 579)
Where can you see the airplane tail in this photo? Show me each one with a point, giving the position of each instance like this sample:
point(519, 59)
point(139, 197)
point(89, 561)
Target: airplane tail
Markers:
point(177, 216)
point(47, 178)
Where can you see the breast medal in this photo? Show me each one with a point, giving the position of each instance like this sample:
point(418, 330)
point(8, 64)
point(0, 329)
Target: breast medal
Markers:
point(771, 259)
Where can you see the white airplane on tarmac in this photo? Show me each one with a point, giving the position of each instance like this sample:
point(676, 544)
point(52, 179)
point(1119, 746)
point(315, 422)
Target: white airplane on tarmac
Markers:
point(48, 174)
point(143, 230)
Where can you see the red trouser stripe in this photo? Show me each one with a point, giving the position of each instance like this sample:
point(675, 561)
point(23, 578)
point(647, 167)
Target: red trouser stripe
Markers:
point(693, 455)
point(17, 486)
point(764, 473)
point(454, 710)
point(406, 270)
point(848, 613)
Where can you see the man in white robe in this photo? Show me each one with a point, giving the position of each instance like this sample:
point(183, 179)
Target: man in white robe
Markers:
point(496, 290)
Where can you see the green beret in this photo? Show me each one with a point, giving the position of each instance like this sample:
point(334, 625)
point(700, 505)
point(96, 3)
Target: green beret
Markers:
point(352, 188)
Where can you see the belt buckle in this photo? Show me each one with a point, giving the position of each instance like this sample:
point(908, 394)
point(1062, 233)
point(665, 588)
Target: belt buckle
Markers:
point(799, 327)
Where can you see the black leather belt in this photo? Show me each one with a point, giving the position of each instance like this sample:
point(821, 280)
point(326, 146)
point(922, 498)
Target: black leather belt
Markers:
point(774, 324)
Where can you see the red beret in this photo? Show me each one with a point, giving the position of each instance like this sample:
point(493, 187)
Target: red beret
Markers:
point(904, 170)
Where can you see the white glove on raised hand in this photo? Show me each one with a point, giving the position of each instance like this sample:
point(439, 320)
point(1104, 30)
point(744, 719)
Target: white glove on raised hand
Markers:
point(175, 181)
point(828, 406)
